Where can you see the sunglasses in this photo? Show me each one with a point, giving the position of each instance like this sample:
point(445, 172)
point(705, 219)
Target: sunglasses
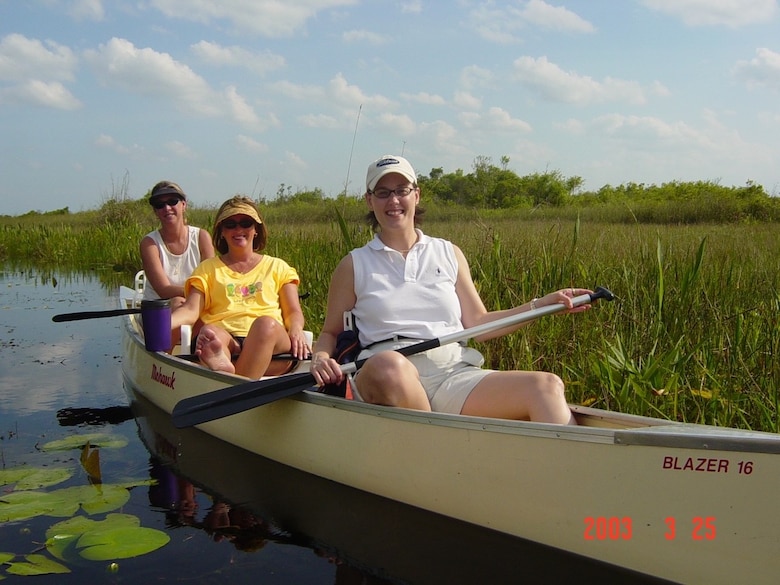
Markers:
point(173, 202)
point(231, 224)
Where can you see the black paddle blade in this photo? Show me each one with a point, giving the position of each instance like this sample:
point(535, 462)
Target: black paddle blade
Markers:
point(226, 401)
point(94, 314)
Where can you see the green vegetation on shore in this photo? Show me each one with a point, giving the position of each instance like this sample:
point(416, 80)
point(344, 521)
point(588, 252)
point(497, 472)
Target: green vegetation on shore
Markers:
point(692, 336)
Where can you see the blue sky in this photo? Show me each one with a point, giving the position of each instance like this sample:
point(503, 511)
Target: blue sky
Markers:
point(241, 96)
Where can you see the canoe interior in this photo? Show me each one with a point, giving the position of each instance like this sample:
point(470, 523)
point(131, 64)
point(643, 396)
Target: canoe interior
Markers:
point(585, 416)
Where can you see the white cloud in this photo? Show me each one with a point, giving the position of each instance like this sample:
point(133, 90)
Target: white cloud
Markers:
point(676, 150)
point(49, 94)
point(539, 13)
point(235, 56)
point(502, 23)
point(761, 71)
point(731, 13)
point(473, 76)
point(270, 18)
point(242, 111)
point(337, 93)
point(294, 160)
point(119, 64)
point(553, 83)
point(399, 124)
point(22, 58)
point(495, 120)
point(465, 100)
point(444, 138)
point(250, 144)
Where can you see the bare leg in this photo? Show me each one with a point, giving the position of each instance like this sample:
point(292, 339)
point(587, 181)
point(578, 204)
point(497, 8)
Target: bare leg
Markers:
point(265, 338)
point(405, 390)
point(536, 396)
point(214, 347)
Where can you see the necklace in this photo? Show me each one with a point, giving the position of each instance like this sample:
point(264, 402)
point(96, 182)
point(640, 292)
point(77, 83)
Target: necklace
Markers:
point(242, 266)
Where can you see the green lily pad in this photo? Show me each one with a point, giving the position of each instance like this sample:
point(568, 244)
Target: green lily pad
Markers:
point(33, 478)
point(93, 499)
point(14, 474)
point(104, 440)
point(119, 536)
point(25, 504)
point(5, 557)
point(121, 543)
point(61, 537)
point(62, 503)
point(37, 565)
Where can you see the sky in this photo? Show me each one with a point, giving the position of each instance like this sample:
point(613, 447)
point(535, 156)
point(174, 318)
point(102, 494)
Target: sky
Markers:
point(102, 99)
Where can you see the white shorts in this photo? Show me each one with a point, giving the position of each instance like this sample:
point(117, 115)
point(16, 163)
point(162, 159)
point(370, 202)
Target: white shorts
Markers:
point(448, 373)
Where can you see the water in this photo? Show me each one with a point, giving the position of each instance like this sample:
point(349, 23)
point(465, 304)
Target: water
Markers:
point(232, 517)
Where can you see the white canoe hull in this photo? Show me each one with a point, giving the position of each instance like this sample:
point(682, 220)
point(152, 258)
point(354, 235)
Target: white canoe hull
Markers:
point(687, 503)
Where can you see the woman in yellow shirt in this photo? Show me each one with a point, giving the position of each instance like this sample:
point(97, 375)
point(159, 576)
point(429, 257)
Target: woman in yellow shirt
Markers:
point(247, 301)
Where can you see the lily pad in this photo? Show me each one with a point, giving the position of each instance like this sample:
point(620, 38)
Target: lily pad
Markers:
point(25, 504)
point(95, 499)
point(103, 440)
point(61, 503)
point(121, 543)
point(37, 565)
point(119, 536)
point(33, 478)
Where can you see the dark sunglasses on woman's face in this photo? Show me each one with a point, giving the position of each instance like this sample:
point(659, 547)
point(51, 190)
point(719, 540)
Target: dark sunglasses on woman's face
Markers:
point(231, 224)
point(173, 202)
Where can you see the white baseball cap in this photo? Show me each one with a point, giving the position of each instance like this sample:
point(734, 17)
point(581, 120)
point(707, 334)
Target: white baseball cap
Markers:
point(386, 165)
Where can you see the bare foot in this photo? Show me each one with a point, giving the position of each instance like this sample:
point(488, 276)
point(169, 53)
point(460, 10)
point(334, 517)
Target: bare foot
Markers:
point(211, 352)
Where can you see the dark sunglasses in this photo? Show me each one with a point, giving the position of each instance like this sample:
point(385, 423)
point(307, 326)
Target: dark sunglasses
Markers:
point(231, 224)
point(173, 202)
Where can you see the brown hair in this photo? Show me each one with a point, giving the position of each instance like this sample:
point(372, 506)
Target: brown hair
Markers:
point(239, 204)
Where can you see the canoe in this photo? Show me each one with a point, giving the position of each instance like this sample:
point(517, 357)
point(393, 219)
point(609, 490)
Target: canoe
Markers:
point(682, 502)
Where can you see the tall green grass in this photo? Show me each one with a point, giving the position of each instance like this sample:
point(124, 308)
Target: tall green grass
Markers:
point(692, 336)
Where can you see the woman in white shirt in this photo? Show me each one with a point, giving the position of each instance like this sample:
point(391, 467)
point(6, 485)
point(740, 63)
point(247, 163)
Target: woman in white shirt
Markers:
point(403, 287)
point(170, 254)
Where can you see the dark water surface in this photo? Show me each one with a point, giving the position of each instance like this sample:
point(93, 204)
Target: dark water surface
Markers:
point(232, 517)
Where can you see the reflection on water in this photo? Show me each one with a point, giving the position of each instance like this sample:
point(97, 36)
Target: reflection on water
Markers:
point(233, 517)
point(44, 364)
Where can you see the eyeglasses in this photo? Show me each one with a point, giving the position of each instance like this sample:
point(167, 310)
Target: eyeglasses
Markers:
point(173, 202)
point(231, 224)
point(398, 192)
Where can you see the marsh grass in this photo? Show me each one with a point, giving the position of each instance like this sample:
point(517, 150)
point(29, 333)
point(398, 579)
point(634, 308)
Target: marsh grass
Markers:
point(692, 336)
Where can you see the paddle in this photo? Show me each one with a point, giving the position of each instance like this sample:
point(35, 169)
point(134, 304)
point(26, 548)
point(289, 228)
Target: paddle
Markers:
point(94, 314)
point(226, 401)
point(114, 313)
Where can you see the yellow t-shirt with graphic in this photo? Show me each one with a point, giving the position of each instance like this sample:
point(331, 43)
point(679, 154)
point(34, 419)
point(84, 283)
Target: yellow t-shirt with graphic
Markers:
point(235, 300)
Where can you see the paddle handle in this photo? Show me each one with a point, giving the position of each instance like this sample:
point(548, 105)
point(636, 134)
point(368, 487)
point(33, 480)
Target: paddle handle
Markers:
point(94, 314)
